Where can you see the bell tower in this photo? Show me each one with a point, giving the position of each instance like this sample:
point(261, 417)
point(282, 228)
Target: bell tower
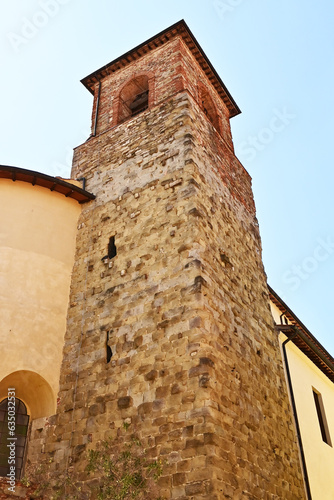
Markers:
point(169, 326)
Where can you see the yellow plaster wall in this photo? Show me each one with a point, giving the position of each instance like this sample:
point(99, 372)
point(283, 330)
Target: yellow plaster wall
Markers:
point(318, 454)
point(37, 243)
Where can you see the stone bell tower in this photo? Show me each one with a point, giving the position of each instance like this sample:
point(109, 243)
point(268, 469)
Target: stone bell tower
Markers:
point(169, 324)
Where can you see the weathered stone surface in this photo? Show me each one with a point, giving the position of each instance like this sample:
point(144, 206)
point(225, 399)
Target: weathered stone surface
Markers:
point(186, 314)
point(18, 491)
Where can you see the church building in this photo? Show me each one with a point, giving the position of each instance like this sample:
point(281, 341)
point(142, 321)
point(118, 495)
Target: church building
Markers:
point(135, 294)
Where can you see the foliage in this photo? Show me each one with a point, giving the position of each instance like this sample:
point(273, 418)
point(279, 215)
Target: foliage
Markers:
point(124, 471)
point(38, 477)
point(120, 470)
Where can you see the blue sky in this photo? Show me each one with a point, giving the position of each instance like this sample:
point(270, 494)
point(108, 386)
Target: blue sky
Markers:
point(276, 59)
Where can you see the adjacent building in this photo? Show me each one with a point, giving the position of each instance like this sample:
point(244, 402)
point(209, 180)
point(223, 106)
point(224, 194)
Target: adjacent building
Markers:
point(38, 221)
point(310, 376)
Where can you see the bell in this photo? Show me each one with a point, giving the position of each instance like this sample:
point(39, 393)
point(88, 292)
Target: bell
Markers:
point(139, 103)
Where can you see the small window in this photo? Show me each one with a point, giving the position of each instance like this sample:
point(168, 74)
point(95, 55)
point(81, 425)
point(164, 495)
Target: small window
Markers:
point(134, 98)
point(209, 107)
point(322, 417)
point(109, 350)
point(112, 250)
point(21, 430)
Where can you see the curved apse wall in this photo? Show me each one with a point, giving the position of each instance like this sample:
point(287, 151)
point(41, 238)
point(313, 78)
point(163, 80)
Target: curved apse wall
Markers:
point(37, 244)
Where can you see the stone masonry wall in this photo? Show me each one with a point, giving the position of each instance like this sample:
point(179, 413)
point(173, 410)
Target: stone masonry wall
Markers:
point(195, 367)
point(252, 422)
point(21, 491)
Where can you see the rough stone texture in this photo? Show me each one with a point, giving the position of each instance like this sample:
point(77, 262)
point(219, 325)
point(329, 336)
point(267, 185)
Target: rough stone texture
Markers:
point(195, 366)
point(20, 491)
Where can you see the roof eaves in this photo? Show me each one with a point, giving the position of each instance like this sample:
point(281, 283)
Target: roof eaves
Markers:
point(306, 342)
point(179, 28)
point(67, 189)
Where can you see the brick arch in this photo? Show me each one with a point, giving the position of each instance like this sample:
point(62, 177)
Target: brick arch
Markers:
point(208, 106)
point(134, 96)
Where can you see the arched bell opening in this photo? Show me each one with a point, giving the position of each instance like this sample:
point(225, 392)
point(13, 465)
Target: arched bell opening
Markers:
point(209, 108)
point(134, 98)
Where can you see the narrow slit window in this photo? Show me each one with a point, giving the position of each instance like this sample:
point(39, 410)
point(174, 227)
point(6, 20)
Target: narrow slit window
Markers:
point(112, 251)
point(109, 350)
point(322, 417)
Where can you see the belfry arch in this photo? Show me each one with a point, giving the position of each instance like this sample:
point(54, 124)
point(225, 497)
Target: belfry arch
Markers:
point(208, 106)
point(133, 98)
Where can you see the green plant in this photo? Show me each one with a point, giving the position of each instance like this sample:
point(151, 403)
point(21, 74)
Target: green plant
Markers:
point(124, 471)
point(119, 470)
point(39, 477)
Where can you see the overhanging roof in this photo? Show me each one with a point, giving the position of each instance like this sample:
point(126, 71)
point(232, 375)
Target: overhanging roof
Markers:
point(303, 338)
point(178, 29)
point(47, 181)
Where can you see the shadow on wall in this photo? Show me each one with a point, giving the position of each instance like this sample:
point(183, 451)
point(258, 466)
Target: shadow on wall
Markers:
point(33, 390)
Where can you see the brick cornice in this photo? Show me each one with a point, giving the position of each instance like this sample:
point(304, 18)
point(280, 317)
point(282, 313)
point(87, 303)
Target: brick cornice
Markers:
point(179, 29)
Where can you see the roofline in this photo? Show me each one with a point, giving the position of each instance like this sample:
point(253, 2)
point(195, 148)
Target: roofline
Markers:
point(306, 337)
point(47, 181)
point(179, 28)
